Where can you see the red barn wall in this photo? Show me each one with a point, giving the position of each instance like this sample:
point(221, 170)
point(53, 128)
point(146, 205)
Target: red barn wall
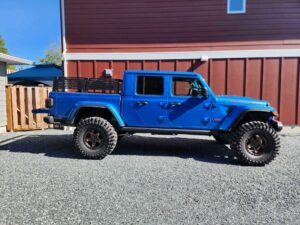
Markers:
point(177, 25)
point(143, 26)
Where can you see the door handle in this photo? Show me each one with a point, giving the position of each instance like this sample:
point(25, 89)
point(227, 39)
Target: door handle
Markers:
point(141, 103)
point(174, 104)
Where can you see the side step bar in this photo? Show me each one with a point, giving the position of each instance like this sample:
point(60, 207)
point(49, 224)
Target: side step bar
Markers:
point(164, 131)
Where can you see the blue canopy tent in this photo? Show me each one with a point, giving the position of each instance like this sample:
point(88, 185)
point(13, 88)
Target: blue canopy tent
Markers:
point(39, 74)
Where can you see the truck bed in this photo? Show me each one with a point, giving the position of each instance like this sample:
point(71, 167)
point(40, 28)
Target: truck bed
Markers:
point(66, 104)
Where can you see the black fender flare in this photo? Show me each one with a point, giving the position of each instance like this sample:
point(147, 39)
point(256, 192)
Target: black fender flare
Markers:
point(244, 114)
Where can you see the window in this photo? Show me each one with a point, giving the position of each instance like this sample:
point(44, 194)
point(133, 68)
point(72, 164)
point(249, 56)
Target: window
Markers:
point(185, 86)
point(148, 85)
point(236, 6)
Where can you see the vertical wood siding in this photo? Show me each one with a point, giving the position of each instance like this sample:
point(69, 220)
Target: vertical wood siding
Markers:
point(276, 80)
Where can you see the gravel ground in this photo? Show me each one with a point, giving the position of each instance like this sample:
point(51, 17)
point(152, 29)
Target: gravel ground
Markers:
point(148, 180)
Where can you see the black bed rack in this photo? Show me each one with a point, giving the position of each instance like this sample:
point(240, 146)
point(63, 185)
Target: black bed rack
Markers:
point(75, 84)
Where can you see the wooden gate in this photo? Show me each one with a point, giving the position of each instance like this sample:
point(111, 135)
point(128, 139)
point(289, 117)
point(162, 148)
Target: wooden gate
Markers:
point(20, 101)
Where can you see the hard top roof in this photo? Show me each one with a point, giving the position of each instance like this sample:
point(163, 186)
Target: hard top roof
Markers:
point(158, 72)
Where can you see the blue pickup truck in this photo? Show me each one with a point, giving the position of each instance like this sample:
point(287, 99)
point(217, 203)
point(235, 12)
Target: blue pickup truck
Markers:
point(162, 103)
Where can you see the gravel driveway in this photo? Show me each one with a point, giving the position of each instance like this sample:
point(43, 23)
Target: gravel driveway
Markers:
point(148, 180)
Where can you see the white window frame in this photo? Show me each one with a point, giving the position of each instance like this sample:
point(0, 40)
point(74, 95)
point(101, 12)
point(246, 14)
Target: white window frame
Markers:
point(236, 12)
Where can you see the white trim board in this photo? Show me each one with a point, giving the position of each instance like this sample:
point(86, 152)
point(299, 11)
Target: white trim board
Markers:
point(13, 60)
point(63, 24)
point(228, 54)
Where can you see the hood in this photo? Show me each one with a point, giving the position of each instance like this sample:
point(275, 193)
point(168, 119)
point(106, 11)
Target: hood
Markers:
point(240, 100)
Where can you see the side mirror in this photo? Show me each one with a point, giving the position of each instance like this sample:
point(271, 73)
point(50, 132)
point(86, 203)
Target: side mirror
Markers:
point(204, 92)
point(196, 92)
point(200, 92)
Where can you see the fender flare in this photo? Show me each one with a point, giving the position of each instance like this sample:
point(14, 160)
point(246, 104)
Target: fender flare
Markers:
point(115, 114)
point(243, 114)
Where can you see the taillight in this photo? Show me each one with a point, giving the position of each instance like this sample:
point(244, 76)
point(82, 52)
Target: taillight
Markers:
point(49, 102)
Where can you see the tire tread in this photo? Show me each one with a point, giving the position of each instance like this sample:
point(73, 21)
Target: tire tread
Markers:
point(236, 142)
point(109, 129)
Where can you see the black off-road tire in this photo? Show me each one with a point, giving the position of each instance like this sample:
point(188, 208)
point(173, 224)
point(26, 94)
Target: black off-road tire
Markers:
point(107, 142)
point(222, 138)
point(269, 139)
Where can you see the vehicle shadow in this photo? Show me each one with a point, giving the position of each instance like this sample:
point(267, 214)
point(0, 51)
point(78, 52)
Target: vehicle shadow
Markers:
point(182, 147)
point(61, 146)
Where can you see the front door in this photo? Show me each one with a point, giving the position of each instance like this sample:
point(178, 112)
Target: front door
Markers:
point(147, 106)
point(184, 110)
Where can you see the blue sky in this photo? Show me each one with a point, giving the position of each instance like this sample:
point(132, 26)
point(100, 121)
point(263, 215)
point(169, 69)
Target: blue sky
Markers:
point(29, 27)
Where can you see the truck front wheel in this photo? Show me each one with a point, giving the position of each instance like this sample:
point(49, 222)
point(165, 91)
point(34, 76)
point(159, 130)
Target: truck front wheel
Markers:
point(95, 138)
point(255, 143)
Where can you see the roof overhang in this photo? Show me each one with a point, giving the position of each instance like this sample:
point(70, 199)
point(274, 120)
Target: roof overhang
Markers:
point(12, 60)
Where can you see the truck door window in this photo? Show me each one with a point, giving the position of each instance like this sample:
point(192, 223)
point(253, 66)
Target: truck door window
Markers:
point(149, 85)
point(184, 86)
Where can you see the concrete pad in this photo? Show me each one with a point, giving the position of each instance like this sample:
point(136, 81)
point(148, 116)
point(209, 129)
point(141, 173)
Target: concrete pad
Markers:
point(291, 130)
point(2, 130)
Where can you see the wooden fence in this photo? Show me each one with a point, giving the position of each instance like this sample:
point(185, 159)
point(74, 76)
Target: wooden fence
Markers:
point(20, 101)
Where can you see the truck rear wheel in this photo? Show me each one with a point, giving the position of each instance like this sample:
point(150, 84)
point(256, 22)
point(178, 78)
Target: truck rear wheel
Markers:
point(95, 138)
point(255, 143)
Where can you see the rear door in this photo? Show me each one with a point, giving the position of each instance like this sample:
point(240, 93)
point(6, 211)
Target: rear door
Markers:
point(147, 106)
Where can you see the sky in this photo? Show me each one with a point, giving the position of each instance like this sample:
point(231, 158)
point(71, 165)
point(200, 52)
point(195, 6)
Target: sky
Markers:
point(29, 27)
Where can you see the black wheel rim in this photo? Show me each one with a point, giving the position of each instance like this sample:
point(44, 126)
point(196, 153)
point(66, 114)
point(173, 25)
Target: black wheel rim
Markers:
point(256, 145)
point(93, 139)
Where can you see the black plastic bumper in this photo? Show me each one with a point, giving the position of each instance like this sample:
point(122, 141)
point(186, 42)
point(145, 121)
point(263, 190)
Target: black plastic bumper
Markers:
point(277, 125)
point(52, 120)
point(40, 111)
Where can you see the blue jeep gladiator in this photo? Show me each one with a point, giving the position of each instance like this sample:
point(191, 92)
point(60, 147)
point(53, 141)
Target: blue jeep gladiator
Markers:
point(161, 103)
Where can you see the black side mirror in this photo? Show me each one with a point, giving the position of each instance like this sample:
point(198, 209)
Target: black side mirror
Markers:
point(200, 92)
point(196, 92)
point(204, 92)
